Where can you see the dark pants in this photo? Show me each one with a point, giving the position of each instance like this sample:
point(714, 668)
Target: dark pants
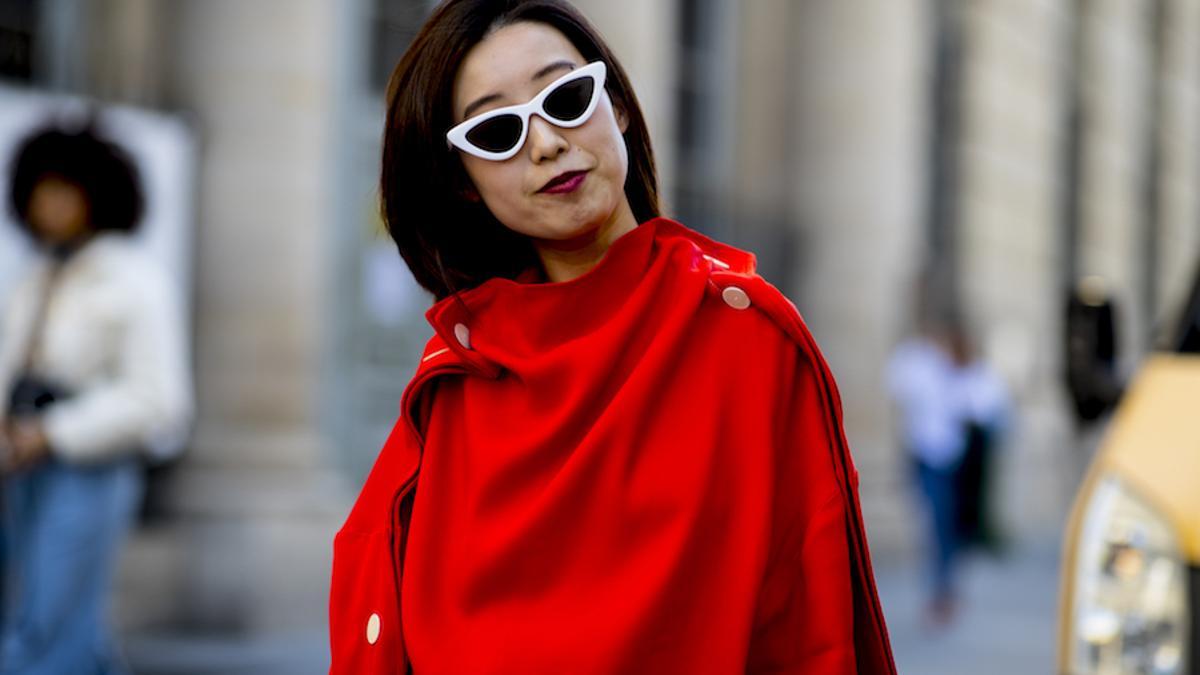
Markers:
point(974, 521)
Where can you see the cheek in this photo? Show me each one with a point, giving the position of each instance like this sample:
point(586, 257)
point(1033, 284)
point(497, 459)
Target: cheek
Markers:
point(48, 214)
point(496, 182)
point(616, 155)
point(607, 139)
point(622, 153)
point(58, 210)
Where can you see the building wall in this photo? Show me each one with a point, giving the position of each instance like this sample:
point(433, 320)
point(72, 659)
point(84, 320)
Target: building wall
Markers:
point(1179, 143)
point(1009, 247)
point(833, 166)
point(830, 172)
point(264, 479)
point(830, 164)
point(1117, 77)
point(252, 506)
point(643, 35)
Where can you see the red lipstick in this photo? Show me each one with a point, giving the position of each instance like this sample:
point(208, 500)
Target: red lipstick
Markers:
point(565, 182)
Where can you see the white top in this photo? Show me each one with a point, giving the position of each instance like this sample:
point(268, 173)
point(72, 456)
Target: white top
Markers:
point(936, 400)
point(113, 336)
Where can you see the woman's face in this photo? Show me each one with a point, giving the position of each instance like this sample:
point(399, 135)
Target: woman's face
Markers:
point(58, 210)
point(515, 63)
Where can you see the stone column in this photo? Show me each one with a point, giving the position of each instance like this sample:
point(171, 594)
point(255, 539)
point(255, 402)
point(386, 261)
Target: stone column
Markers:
point(644, 37)
point(1009, 247)
point(1117, 71)
point(253, 506)
point(834, 140)
point(1179, 143)
point(124, 50)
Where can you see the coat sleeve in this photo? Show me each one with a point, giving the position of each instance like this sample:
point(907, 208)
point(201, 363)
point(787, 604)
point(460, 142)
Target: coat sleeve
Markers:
point(148, 397)
point(804, 619)
point(818, 609)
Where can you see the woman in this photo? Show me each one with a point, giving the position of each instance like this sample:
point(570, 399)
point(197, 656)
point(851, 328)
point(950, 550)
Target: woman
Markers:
point(621, 451)
point(92, 369)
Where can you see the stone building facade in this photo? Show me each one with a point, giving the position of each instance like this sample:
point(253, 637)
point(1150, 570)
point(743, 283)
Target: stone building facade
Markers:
point(1017, 144)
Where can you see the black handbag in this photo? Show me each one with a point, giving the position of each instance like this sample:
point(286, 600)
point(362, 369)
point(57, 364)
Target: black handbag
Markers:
point(32, 394)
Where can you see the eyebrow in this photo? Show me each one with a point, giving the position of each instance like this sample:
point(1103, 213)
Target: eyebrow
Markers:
point(484, 100)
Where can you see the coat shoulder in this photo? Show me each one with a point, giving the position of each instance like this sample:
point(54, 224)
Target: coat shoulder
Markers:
point(749, 291)
point(733, 276)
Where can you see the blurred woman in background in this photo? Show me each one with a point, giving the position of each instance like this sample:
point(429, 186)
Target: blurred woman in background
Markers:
point(92, 370)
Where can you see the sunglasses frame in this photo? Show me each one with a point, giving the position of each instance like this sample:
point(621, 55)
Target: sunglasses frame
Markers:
point(457, 136)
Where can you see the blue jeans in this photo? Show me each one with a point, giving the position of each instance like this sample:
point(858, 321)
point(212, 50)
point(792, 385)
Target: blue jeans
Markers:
point(939, 487)
point(63, 529)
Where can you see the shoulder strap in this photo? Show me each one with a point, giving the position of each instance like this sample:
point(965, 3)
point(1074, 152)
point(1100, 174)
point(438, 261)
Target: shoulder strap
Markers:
point(52, 274)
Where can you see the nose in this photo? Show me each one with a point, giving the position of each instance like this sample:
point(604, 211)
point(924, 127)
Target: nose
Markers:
point(545, 141)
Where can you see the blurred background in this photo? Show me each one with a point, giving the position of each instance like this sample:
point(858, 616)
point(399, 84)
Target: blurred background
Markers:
point(881, 157)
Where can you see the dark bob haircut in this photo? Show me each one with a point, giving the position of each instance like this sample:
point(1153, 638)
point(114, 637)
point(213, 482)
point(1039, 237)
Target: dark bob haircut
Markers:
point(103, 171)
point(449, 242)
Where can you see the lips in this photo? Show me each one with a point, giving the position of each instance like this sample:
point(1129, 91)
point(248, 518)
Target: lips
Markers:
point(561, 179)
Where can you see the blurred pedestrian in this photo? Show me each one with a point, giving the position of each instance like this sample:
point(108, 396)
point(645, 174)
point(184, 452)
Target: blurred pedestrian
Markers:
point(952, 409)
point(622, 451)
point(92, 369)
point(984, 420)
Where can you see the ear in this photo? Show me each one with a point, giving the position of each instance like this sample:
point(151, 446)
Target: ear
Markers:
point(469, 194)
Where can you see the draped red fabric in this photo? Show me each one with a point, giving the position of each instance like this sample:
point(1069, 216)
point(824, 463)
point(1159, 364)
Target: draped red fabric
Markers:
point(640, 470)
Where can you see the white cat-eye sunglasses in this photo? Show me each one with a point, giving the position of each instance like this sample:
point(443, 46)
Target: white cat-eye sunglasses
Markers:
point(566, 102)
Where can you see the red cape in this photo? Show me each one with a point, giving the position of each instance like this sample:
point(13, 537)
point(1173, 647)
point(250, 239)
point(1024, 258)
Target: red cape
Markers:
point(642, 469)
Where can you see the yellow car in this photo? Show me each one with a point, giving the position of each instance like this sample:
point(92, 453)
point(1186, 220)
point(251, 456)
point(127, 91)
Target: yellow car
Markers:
point(1130, 592)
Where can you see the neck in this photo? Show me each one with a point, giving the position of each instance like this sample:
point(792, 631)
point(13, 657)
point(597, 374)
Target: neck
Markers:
point(564, 260)
point(62, 250)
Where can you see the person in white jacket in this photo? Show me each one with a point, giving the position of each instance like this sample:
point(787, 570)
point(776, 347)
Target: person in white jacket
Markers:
point(945, 396)
point(94, 379)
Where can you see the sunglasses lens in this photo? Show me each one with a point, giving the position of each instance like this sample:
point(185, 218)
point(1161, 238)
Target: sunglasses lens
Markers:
point(496, 134)
point(569, 101)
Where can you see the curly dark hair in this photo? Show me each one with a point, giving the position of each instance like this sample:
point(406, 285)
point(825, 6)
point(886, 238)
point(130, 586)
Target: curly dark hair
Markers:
point(103, 171)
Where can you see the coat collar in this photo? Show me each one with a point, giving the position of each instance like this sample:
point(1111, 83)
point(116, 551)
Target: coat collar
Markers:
point(516, 320)
point(463, 322)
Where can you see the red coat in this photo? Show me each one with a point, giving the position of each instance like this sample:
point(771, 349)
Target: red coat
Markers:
point(641, 470)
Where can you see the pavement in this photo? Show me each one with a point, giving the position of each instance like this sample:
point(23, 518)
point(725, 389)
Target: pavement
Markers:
point(1006, 626)
point(168, 654)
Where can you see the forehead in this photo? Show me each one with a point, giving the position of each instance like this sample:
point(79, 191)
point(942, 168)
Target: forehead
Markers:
point(504, 61)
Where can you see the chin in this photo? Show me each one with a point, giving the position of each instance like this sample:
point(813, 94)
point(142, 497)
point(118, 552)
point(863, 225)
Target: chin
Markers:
point(583, 227)
point(565, 233)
